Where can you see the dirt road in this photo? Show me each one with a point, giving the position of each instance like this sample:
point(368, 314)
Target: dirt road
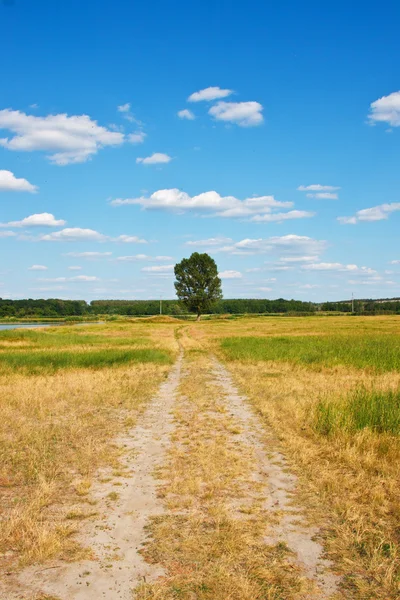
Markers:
point(206, 508)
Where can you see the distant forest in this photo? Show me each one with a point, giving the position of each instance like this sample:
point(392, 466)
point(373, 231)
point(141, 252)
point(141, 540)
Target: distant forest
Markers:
point(54, 308)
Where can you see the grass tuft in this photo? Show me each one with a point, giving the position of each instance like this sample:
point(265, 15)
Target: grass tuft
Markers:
point(373, 409)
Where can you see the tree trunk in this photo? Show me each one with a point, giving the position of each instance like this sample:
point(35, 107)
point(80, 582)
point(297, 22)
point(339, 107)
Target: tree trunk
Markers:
point(198, 316)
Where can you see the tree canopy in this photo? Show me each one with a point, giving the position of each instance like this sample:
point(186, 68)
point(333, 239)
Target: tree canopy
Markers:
point(197, 283)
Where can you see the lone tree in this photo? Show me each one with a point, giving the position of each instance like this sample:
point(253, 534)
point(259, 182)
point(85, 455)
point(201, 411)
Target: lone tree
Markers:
point(197, 283)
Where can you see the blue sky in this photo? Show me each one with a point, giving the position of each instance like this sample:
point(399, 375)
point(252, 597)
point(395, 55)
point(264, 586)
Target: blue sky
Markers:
point(133, 133)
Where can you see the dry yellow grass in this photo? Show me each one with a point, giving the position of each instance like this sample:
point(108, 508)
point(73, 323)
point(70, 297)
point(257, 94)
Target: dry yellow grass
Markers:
point(350, 481)
point(210, 541)
point(56, 430)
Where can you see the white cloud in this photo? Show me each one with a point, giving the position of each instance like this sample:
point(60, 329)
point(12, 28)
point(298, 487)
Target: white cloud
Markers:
point(7, 234)
point(211, 202)
point(244, 114)
point(309, 286)
point(84, 278)
point(124, 108)
point(316, 187)
point(338, 267)
point(386, 110)
point(265, 289)
point(88, 254)
point(37, 268)
point(37, 220)
point(279, 217)
point(141, 257)
point(230, 275)
point(155, 159)
point(298, 259)
point(324, 196)
point(77, 278)
point(395, 262)
point(74, 234)
point(217, 241)
point(186, 114)
point(72, 139)
point(210, 93)
point(130, 239)
point(74, 268)
point(158, 269)
point(137, 138)
point(51, 288)
point(289, 244)
point(10, 183)
point(375, 213)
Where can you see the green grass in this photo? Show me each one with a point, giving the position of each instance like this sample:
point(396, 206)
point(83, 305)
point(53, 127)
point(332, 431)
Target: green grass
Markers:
point(66, 337)
point(377, 352)
point(36, 362)
point(378, 411)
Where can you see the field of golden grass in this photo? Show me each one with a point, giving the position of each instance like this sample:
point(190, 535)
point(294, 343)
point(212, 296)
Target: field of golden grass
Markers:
point(327, 387)
point(350, 472)
point(59, 421)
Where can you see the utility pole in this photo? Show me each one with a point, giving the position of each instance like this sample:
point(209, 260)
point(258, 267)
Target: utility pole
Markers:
point(160, 305)
point(352, 303)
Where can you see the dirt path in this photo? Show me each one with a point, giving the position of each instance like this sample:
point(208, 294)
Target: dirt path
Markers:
point(280, 492)
point(116, 539)
point(222, 522)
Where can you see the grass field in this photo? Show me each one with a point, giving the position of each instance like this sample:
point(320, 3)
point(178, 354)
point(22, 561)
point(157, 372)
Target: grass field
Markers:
point(330, 389)
point(327, 387)
point(65, 394)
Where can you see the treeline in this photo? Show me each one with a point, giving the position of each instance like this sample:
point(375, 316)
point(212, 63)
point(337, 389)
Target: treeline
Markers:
point(363, 307)
point(173, 307)
point(54, 308)
point(70, 308)
point(43, 308)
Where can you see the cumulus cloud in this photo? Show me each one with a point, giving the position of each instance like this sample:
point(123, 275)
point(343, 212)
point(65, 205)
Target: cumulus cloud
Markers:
point(317, 187)
point(6, 234)
point(186, 114)
point(375, 213)
point(209, 202)
point(386, 110)
point(37, 220)
point(74, 268)
point(124, 108)
point(74, 234)
point(288, 244)
point(88, 254)
point(279, 217)
point(323, 266)
point(130, 239)
point(37, 268)
point(158, 269)
point(298, 259)
point(77, 278)
point(244, 114)
point(230, 275)
point(210, 93)
point(209, 242)
point(68, 139)
point(324, 196)
point(264, 289)
point(136, 138)
point(395, 262)
point(10, 183)
point(155, 159)
point(142, 257)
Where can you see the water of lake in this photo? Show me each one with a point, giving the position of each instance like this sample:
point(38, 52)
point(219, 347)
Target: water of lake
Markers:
point(26, 325)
